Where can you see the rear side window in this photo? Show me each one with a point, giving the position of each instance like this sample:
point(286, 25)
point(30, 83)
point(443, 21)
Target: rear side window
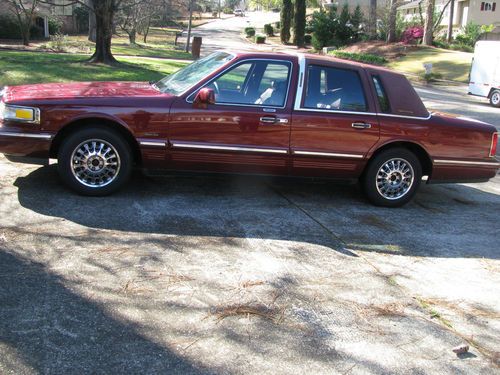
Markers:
point(335, 89)
point(381, 95)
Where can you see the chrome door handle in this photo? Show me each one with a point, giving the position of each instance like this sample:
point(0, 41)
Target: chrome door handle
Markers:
point(268, 119)
point(361, 125)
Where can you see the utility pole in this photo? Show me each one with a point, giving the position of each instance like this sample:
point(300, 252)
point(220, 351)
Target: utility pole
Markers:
point(219, 8)
point(450, 21)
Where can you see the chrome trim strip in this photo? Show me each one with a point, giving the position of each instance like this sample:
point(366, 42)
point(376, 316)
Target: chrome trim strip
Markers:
point(153, 143)
point(190, 98)
point(492, 164)
point(228, 148)
point(332, 154)
point(26, 135)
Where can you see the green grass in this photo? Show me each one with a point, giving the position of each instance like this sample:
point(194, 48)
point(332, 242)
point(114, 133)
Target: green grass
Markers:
point(451, 65)
point(18, 68)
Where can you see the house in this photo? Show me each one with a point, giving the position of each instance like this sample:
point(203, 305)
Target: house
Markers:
point(464, 11)
point(363, 4)
point(44, 12)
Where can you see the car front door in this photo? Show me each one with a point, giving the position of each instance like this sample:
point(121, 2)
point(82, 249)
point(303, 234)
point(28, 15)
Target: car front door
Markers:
point(248, 127)
point(334, 122)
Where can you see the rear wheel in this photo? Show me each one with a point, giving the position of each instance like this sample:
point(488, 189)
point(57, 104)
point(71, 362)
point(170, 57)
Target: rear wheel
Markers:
point(94, 161)
point(495, 98)
point(392, 178)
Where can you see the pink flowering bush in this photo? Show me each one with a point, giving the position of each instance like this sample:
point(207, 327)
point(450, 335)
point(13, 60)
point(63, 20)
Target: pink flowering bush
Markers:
point(412, 34)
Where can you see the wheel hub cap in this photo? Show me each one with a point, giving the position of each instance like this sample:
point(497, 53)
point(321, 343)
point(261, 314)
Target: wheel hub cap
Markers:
point(394, 178)
point(95, 163)
point(495, 98)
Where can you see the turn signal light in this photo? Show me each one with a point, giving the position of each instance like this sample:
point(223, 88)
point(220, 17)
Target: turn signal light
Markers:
point(494, 144)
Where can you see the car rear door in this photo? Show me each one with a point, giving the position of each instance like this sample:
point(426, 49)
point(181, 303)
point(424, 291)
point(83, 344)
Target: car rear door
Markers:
point(334, 122)
point(248, 127)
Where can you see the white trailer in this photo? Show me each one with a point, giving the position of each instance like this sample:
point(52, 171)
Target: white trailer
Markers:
point(485, 71)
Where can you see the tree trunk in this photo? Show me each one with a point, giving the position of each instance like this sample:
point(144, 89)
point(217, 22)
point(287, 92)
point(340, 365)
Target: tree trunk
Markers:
point(429, 23)
point(92, 30)
point(286, 21)
point(372, 20)
point(25, 31)
point(146, 30)
point(449, 35)
point(104, 12)
point(132, 34)
point(391, 35)
point(299, 23)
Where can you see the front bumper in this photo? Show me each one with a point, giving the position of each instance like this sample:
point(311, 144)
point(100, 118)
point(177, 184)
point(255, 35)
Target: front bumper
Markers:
point(25, 144)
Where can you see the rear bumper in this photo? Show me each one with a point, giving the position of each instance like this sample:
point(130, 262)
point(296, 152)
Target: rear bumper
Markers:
point(22, 147)
point(464, 170)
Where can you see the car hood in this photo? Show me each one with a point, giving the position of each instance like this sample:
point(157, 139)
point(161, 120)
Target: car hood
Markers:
point(47, 91)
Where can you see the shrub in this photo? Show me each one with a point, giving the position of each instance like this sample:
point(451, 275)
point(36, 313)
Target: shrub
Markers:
point(55, 26)
point(260, 39)
point(431, 77)
point(227, 10)
point(277, 25)
point(268, 29)
point(470, 33)
point(9, 29)
point(307, 38)
point(215, 14)
point(361, 57)
point(332, 29)
point(58, 42)
point(250, 31)
point(412, 35)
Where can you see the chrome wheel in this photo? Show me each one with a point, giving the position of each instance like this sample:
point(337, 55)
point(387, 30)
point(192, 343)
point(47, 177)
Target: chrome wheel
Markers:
point(95, 163)
point(395, 178)
point(495, 98)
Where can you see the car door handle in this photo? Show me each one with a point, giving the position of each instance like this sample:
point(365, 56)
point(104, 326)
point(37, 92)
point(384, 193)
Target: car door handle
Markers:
point(361, 125)
point(268, 119)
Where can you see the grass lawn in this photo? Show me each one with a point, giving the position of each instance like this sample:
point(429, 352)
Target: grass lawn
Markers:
point(453, 65)
point(18, 68)
point(160, 43)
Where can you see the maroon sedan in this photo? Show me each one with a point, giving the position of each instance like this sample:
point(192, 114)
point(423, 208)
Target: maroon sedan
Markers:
point(263, 113)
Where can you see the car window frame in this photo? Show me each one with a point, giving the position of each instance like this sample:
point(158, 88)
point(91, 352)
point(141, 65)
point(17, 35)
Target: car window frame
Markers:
point(326, 65)
point(191, 96)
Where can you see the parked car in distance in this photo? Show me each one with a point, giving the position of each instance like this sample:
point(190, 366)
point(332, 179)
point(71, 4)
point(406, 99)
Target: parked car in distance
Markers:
point(239, 13)
point(261, 113)
point(485, 71)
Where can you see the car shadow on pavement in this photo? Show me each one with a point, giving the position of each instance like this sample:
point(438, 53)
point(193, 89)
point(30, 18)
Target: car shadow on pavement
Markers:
point(47, 328)
point(443, 220)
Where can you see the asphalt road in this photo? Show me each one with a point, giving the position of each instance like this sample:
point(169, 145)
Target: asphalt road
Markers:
point(244, 275)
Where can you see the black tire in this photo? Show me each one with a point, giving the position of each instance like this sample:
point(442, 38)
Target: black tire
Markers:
point(114, 166)
point(495, 98)
point(380, 191)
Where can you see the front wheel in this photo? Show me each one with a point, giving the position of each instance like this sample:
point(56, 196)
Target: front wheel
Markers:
point(94, 161)
point(495, 98)
point(392, 178)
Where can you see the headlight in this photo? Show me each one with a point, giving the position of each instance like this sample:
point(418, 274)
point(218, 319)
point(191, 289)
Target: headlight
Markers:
point(19, 113)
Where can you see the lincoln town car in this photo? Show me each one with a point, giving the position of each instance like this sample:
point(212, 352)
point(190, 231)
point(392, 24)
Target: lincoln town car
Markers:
point(279, 114)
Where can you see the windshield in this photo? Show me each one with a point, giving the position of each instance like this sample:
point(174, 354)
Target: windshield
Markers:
point(185, 78)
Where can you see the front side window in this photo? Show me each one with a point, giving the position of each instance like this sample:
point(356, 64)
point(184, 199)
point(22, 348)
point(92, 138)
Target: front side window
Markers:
point(334, 89)
point(255, 82)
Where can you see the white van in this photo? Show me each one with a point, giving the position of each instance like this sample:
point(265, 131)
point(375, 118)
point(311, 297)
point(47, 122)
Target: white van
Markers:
point(485, 71)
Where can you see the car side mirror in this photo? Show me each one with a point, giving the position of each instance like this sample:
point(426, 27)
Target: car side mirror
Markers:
point(204, 97)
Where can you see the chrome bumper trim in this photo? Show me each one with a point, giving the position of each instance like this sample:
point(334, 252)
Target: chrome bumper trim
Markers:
point(152, 143)
point(26, 135)
point(466, 162)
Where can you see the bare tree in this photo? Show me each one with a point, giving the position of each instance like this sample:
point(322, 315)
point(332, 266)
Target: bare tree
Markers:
point(429, 23)
point(24, 11)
